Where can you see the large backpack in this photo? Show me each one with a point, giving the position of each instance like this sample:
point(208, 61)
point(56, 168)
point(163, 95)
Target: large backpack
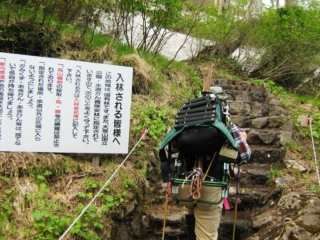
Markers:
point(200, 129)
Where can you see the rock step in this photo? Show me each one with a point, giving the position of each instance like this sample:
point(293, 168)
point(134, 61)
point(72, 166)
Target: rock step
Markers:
point(248, 108)
point(246, 96)
point(243, 226)
point(262, 122)
point(267, 137)
point(236, 85)
point(175, 221)
point(254, 109)
point(239, 86)
point(253, 174)
point(250, 196)
point(266, 154)
point(243, 91)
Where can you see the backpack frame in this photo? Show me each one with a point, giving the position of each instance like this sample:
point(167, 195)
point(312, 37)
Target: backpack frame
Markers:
point(203, 115)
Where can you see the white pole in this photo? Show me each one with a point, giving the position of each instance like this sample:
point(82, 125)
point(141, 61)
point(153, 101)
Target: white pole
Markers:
point(314, 150)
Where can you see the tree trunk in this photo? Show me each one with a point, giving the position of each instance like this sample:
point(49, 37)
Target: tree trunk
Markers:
point(254, 10)
point(222, 5)
point(290, 3)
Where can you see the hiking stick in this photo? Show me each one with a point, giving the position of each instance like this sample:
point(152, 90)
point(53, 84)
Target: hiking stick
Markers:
point(314, 149)
point(236, 205)
point(165, 216)
point(207, 81)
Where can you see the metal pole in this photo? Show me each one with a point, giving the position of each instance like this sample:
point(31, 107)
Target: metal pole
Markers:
point(314, 149)
point(236, 205)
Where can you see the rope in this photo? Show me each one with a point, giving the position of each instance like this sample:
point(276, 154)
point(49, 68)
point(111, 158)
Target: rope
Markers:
point(144, 133)
point(165, 217)
point(205, 176)
point(314, 149)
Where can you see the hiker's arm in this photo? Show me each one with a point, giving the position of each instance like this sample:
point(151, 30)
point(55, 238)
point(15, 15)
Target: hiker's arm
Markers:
point(247, 153)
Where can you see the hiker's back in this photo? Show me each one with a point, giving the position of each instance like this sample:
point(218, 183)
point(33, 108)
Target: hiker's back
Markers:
point(203, 147)
point(200, 129)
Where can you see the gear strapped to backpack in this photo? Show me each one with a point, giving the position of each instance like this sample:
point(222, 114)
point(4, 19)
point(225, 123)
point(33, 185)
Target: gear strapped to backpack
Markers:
point(199, 129)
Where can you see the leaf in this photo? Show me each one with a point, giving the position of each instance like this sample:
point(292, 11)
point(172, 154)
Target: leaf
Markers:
point(82, 195)
point(110, 198)
point(105, 208)
point(37, 215)
point(41, 178)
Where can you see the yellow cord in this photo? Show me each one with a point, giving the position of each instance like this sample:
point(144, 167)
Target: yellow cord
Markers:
point(165, 216)
point(235, 219)
point(209, 166)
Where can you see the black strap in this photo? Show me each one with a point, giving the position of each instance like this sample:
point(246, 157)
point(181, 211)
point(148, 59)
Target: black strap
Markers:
point(196, 111)
point(180, 125)
point(195, 114)
point(200, 109)
point(164, 166)
point(206, 101)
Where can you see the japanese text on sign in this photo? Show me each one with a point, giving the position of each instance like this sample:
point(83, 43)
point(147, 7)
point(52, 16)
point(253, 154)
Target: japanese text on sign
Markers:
point(55, 105)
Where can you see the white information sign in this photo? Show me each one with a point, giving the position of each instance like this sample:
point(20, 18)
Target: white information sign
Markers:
point(56, 105)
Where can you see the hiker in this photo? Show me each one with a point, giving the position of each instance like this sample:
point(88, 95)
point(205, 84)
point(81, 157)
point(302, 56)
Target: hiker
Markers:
point(196, 155)
point(203, 219)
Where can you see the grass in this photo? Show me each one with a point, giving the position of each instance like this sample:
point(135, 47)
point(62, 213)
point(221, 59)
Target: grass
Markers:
point(272, 175)
point(48, 192)
point(291, 145)
point(307, 99)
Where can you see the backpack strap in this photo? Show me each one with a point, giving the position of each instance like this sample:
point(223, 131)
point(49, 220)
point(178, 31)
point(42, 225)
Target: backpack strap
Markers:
point(165, 163)
point(226, 132)
point(174, 132)
point(171, 135)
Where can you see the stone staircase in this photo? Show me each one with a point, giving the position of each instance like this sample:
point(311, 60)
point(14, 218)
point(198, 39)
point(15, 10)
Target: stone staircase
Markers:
point(258, 112)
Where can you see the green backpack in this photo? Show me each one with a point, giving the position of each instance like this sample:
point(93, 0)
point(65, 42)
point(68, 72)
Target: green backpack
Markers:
point(200, 128)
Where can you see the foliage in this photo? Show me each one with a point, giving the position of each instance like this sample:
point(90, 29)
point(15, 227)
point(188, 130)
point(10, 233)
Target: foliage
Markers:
point(287, 39)
point(154, 18)
point(221, 33)
point(258, 82)
point(270, 85)
point(307, 99)
point(274, 88)
point(6, 209)
point(90, 221)
point(36, 195)
point(156, 118)
point(316, 188)
point(28, 38)
point(195, 79)
point(272, 175)
point(316, 125)
point(34, 27)
point(292, 146)
point(47, 222)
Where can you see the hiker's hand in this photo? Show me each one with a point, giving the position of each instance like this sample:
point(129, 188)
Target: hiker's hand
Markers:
point(243, 135)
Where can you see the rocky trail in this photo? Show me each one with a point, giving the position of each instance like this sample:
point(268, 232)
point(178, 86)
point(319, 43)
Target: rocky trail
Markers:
point(262, 212)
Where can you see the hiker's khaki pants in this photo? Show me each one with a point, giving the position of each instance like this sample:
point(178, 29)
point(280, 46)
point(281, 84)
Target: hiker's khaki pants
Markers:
point(207, 216)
